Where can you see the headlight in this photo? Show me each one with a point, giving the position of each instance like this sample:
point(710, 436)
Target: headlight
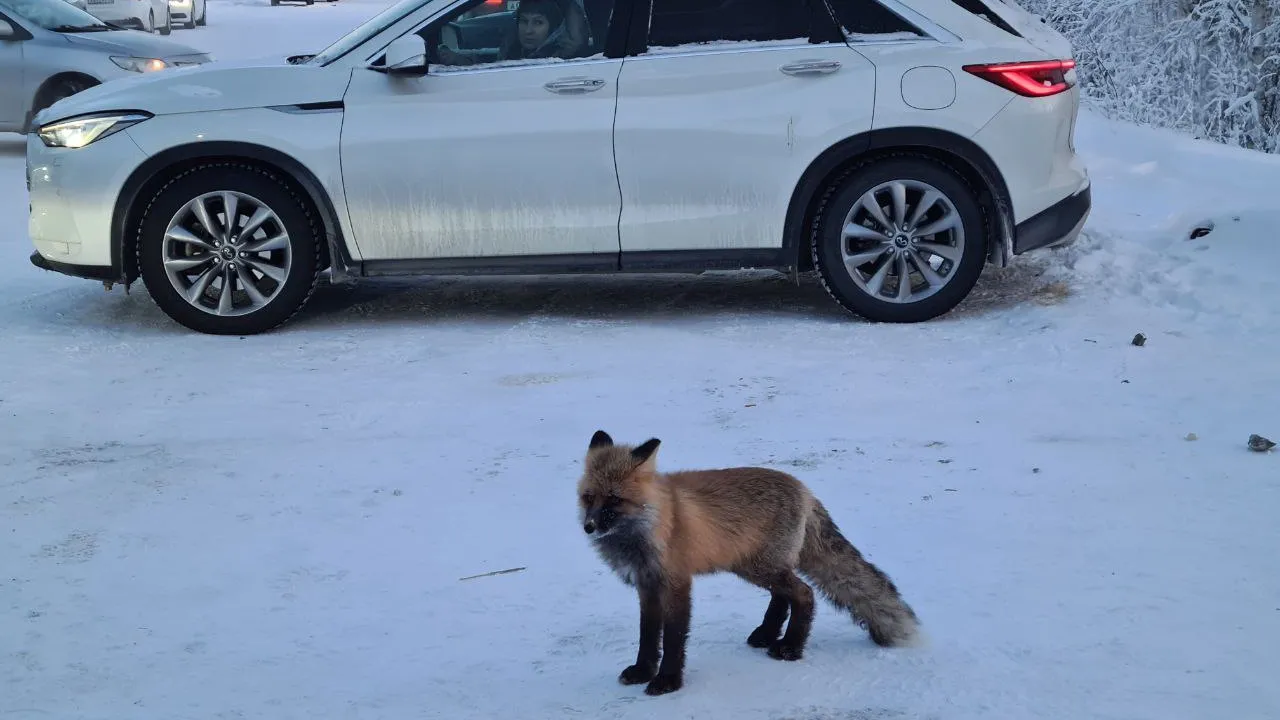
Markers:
point(139, 65)
point(78, 132)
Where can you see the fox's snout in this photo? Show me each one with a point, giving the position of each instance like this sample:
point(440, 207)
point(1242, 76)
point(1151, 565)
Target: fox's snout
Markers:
point(599, 520)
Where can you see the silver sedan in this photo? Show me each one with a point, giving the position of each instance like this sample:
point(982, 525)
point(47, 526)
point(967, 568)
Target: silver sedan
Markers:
point(50, 49)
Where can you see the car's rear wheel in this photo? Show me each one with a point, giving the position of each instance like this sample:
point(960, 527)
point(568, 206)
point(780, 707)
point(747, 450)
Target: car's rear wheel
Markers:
point(899, 239)
point(229, 249)
point(167, 28)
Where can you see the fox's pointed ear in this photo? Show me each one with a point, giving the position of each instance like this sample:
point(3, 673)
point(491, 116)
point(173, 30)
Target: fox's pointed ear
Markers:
point(645, 451)
point(600, 439)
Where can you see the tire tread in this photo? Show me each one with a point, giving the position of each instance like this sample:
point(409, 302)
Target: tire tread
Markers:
point(838, 182)
point(303, 205)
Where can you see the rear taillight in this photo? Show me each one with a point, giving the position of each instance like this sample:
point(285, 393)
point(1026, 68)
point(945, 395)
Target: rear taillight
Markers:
point(1029, 79)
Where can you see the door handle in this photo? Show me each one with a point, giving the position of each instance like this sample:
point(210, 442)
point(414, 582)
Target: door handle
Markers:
point(811, 67)
point(574, 86)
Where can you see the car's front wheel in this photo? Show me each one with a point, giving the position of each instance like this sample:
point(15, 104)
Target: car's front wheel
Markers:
point(229, 249)
point(899, 239)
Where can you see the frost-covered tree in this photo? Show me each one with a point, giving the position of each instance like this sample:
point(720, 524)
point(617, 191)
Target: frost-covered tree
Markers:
point(1209, 67)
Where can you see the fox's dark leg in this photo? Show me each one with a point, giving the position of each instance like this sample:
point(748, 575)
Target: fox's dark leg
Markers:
point(771, 626)
point(779, 603)
point(800, 595)
point(676, 609)
point(650, 634)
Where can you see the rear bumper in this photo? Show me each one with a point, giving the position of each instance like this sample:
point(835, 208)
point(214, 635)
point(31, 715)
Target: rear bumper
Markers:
point(182, 10)
point(1058, 225)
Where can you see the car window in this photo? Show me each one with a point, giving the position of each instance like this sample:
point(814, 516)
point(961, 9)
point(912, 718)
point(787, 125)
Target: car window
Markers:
point(977, 7)
point(868, 19)
point(491, 33)
point(676, 23)
point(53, 15)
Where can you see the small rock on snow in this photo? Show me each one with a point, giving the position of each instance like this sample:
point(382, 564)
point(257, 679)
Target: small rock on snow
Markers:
point(1257, 443)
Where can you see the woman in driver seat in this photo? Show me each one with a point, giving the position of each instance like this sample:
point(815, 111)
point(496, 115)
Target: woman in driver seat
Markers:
point(540, 31)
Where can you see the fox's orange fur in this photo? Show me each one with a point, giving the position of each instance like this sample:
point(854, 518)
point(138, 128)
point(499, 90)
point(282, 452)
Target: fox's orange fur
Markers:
point(659, 530)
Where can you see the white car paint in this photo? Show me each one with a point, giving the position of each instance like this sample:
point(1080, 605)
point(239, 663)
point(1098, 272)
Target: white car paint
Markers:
point(223, 86)
point(736, 131)
point(188, 13)
point(131, 13)
point(695, 148)
point(502, 168)
point(72, 203)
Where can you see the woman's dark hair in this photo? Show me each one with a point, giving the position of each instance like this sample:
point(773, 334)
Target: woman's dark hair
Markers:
point(550, 9)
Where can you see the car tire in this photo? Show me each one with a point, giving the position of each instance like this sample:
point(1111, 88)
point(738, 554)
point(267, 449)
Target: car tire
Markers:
point(204, 15)
point(870, 225)
point(168, 23)
point(187, 254)
point(151, 21)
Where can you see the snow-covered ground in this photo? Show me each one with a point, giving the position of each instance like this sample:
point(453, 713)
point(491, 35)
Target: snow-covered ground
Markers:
point(276, 527)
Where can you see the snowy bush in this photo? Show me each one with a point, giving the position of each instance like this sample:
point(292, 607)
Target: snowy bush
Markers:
point(1208, 67)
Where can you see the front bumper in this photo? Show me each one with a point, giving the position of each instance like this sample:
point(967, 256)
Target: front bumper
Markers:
point(89, 272)
point(73, 196)
point(1058, 225)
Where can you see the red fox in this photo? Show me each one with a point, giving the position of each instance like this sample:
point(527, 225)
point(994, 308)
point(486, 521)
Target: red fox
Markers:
point(658, 530)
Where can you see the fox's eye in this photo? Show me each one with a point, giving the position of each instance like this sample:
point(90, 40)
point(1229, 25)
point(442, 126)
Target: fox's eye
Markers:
point(613, 499)
point(587, 498)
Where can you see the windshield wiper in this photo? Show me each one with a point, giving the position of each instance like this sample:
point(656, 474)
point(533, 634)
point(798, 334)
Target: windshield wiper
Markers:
point(80, 28)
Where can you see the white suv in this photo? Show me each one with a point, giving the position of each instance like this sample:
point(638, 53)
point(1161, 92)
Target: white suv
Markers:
point(894, 146)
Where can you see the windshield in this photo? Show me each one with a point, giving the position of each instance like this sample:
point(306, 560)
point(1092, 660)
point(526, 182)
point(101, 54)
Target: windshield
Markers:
point(56, 15)
point(363, 32)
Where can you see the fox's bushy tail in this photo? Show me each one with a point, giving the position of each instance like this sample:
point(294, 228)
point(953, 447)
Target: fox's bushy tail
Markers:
point(850, 582)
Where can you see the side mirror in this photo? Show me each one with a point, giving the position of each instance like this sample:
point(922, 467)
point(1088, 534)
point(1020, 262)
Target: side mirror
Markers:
point(406, 56)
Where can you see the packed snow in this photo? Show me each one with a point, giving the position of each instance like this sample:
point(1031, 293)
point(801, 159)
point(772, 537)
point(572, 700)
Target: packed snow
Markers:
point(278, 526)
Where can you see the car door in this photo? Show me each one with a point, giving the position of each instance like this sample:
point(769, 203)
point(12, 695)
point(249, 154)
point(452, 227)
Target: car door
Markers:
point(13, 105)
point(719, 116)
point(494, 159)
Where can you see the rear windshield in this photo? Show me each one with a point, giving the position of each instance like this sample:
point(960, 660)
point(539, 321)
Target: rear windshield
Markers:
point(54, 15)
point(980, 8)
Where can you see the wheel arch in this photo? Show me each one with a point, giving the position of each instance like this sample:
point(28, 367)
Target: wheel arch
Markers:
point(47, 85)
point(149, 176)
point(956, 150)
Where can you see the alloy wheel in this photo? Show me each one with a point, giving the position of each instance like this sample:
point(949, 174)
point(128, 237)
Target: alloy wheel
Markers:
point(902, 241)
point(227, 253)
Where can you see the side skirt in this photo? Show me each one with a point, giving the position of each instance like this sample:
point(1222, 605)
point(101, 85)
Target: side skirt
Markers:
point(681, 261)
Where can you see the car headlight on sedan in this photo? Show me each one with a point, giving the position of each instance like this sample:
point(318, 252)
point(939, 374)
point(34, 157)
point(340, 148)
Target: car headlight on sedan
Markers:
point(139, 64)
point(78, 132)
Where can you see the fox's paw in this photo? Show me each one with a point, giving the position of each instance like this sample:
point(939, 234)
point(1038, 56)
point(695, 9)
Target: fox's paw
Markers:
point(785, 651)
point(663, 684)
point(636, 674)
point(762, 637)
